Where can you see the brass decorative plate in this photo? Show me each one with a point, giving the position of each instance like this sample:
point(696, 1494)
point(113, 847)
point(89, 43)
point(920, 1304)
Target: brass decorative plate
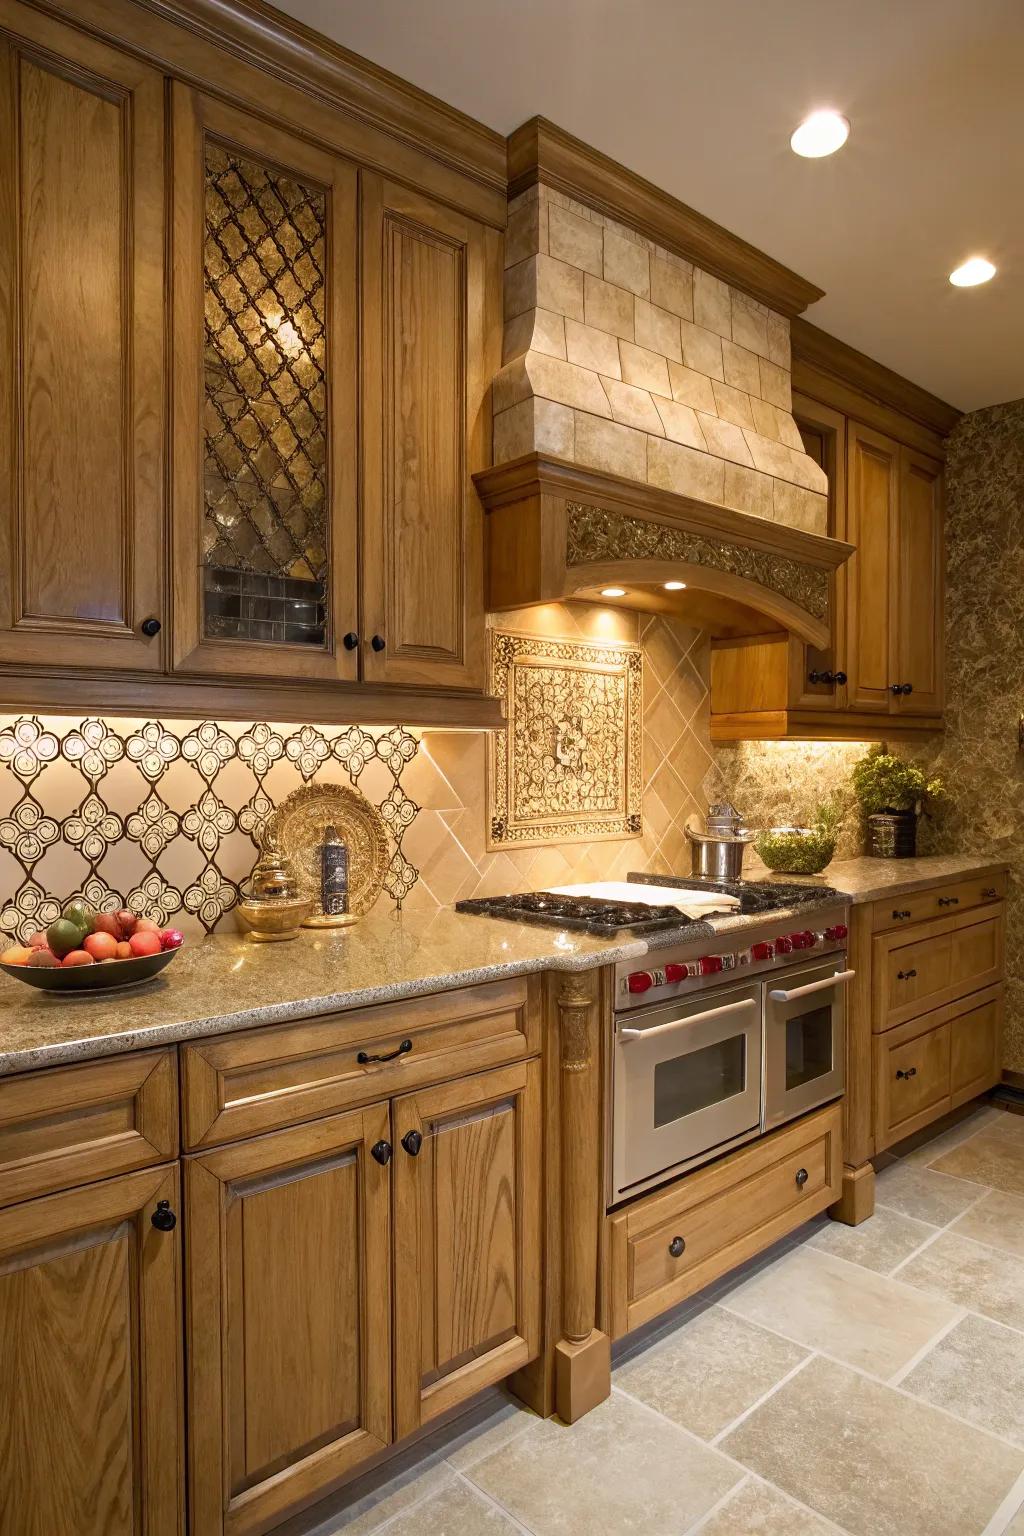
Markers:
point(300, 823)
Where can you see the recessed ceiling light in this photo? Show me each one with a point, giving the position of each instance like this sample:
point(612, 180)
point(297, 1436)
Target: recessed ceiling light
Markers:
point(613, 591)
point(820, 134)
point(674, 586)
point(977, 269)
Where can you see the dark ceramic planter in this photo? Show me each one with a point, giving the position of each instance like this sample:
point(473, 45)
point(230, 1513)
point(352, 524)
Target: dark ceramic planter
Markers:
point(892, 835)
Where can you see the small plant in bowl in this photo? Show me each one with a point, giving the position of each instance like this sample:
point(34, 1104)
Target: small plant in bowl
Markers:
point(801, 850)
point(892, 793)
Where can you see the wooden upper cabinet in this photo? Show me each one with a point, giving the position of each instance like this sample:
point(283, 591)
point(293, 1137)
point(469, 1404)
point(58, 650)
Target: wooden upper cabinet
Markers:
point(873, 482)
point(920, 630)
point(824, 438)
point(264, 407)
point(91, 1423)
point(468, 1199)
point(81, 348)
point(431, 311)
point(289, 1318)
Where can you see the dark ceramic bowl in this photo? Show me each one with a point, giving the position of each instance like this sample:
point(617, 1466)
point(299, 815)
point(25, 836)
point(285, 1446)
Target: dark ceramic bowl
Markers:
point(103, 976)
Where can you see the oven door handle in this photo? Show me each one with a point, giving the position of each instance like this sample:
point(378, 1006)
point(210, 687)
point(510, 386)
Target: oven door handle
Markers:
point(692, 1018)
point(839, 979)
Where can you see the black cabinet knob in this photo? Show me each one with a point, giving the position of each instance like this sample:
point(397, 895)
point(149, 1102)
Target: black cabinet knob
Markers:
point(381, 1152)
point(905, 975)
point(412, 1141)
point(150, 627)
point(350, 641)
point(908, 688)
point(949, 901)
point(801, 1177)
point(900, 913)
point(910, 1072)
point(163, 1218)
point(840, 678)
point(677, 1247)
point(989, 893)
point(378, 642)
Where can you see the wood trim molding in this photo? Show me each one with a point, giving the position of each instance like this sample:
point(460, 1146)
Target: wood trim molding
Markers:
point(65, 692)
point(827, 354)
point(821, 725)
point(540, 151)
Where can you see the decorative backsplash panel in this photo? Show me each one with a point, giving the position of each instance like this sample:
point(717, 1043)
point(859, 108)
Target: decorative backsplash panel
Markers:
point(569, 765)
point(265, 412)
point(167, 816)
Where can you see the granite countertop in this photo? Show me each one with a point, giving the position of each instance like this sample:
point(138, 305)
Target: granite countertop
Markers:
point(224, 983)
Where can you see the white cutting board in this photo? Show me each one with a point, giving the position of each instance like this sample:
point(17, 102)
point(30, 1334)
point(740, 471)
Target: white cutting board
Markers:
point(694, 903)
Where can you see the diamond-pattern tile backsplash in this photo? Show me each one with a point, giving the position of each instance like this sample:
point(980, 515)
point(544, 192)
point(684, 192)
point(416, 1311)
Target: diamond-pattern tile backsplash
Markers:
point(166, 817)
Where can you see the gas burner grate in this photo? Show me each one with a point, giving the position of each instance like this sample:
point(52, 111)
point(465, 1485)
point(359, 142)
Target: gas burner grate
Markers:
point(590, 914)
point(754, 896)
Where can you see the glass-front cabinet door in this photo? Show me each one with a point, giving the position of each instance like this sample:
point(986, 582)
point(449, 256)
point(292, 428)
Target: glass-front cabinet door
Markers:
point(264, 443)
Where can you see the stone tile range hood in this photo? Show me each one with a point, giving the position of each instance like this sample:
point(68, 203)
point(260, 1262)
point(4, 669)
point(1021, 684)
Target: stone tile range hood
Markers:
point(643, 430)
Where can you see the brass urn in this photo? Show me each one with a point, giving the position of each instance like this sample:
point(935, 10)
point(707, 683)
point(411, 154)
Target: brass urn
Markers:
point(271, 904)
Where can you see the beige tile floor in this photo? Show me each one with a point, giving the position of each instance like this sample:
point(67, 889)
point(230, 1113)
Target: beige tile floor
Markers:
point(867, 1381)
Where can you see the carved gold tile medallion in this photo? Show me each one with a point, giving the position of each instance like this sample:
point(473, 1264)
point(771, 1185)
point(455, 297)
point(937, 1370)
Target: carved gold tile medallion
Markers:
point(568, 766)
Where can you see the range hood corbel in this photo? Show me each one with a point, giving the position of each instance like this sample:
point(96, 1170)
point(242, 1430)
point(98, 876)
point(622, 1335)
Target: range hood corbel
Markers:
point(558, 532)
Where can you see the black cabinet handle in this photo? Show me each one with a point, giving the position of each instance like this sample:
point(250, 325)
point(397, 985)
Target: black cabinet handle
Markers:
point(677, 1247)
point(990, 893)
point(910, 1072)
point(378, 642)
point(150, 627)
point(401, 1050)
point(905, 975)
point(840, 678)
point(908, 688)
point(350, 641)
point(412, 1141)
point(833, 679)
point(901, 688)
point(381, 1152)
point(949, 901)
point(163, 1218)
point(899, 913)
point(801, 1177)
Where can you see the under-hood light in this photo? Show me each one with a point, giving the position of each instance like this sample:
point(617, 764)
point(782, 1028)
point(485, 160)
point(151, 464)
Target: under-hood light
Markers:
point(675, 586)
point(613, 591)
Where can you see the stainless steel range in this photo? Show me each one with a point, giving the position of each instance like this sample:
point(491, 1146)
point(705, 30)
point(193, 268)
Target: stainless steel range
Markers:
point(717, 1037)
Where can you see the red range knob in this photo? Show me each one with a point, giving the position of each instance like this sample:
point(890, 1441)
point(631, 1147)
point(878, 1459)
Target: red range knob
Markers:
point(639, 981)
point(804, 940)
point(675, 972)
point(762, 951)
point(837, 931)
point(783, 946)
point(710, 965)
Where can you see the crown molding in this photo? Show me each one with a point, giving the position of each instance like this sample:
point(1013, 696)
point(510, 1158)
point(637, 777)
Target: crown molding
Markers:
point(816, 349)
point(540, 151)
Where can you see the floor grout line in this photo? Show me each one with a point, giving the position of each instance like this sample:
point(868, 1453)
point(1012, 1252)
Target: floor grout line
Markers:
point(940, 1232)
point(738, 1420)
point(915, 1360)
point(717, 1507)
point(493, 1502)
point(1011, 1503)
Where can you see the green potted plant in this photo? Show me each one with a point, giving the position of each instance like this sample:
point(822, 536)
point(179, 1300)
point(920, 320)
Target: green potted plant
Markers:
point(892, 793)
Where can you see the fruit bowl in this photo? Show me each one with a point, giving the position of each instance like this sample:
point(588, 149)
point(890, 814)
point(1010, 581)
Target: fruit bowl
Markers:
point(107, 976)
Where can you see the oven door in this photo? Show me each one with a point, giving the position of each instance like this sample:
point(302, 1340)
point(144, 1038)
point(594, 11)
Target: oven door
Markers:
point(687, 1084)
point(804, 1038)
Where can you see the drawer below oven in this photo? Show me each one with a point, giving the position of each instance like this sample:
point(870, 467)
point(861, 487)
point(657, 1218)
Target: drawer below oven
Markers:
point(667, 1245)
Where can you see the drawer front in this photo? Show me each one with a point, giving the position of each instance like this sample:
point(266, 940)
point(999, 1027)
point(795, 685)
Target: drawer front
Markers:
point(670, 1244)
point(263, 1079)
point(937, 901)
point(975, 1046)
point(911, 1080)
point(72, 1125)
point(935, 963)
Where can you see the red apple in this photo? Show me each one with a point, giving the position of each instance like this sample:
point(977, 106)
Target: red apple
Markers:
point(39, 940)
point(126, 921)
point(106, 922)
point(147, 925)
point(102, 946)
point(172, 938)
point(78, 957)
point(145, 944)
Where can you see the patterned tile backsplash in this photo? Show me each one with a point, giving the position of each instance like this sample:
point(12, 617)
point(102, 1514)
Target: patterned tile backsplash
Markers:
point(166, 817)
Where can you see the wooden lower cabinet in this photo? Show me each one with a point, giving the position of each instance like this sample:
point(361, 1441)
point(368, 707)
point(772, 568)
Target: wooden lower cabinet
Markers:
point(90, 1363)
point(467, 1193)
point(288, 1318)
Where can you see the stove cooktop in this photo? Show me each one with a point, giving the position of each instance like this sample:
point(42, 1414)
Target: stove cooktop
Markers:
point(754, 896)
point(589, 914)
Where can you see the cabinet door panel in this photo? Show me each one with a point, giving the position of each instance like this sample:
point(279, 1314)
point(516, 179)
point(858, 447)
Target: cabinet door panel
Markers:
point(429, 304)
point(824, 437)
point(264, 501)
point(467, 1239)
point(288, 1318)
point(81, 350)
point(90, 1363)
point(872, 491)
point(920, 628)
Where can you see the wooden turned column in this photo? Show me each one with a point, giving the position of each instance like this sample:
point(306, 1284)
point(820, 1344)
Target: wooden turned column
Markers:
point(583, 1353)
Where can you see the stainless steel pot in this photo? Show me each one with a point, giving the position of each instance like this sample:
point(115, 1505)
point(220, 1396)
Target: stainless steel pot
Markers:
point(716, 853)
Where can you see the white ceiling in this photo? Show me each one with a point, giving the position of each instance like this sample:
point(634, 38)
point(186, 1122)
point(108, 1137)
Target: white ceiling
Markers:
point(701, 99)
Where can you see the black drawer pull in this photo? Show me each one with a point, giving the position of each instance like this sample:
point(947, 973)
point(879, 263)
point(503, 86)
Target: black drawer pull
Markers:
point(990, 893)
point(910, 1072)
point(402, 1050)
point(677, 1247)
point(801, 1177)
point(899, 914)
point(905, 975)
point(949, 901)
